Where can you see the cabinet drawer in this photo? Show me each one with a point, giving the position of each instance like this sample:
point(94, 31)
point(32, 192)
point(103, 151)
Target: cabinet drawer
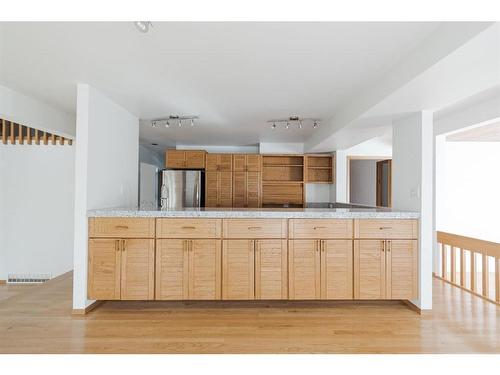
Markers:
point(188, 228)
point(121, 227)
point(386, 228)
point(320, 228)
point(254, 228)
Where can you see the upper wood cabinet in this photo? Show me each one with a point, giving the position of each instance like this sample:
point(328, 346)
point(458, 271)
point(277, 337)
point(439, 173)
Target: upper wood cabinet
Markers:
point(385, 269)
point(185, 159)
point(246, 189)
point(121, 269)
point(247, 162)
point(188, 269)
point(219, 162)
point(320, 169)
point(218, 189)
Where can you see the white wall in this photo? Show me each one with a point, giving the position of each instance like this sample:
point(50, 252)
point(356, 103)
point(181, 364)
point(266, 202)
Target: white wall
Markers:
point(106, 170)
point(153, 157)
point(363, 182)
point(377, 147)
point(469, 184)
point(36, 215)
point(413, 188)
point(281, 148)
point(27, 111)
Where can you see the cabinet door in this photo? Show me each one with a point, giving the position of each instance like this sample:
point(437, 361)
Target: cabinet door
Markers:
point(176, 159)
point(253, 163)
point(271, 269)
point(204, 269)
point(104, 269)
point(211, 190)
point(225, 189)
point(369, 269)
point(239, 162)
point(304, 269)
point(225, 162)
point(195, 159)
point(239, 189)
point(401, 266)
point(336, 269)
point(238, 269)
point(253, 197)
point(211, 162)
point(172, 269)
point(137, 273)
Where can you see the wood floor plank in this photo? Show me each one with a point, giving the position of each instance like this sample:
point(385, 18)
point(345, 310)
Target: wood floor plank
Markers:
point(38, 319)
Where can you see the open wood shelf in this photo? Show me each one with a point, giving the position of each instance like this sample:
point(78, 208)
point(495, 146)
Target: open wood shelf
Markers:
point(283, 180)
point(319, 169)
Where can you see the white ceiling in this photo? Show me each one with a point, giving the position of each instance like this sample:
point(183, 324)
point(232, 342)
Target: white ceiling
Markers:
point(485, 133)
point(235, 76)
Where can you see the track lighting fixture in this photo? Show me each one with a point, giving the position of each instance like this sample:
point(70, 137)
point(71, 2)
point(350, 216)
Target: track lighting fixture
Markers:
point(167, 121)
point(294, 120)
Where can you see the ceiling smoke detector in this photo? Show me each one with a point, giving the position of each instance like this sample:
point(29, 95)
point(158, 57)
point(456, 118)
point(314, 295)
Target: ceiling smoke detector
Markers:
point(142, 26)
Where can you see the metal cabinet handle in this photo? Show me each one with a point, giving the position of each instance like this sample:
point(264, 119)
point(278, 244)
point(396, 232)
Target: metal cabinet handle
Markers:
point(121, 227)
point(317, 245)
point(124, 244)
point(383, 246)
point(188, 227)
point(389, 245)
point(385, 228)
point(117, 245)
point(323, 245)
point(319, 228)
point(254, 228)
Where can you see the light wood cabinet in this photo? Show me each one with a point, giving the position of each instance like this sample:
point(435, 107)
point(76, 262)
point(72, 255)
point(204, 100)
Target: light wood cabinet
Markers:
point(122, 227)
point(188, 269)
point(238, 257)
point(385, 269)
point(246, 189)
point(121, 269)
point(320, 228)
point(188, 228)
point(254, 228)
point(254, 269)
point(219, 162)
point(185, 159)
point(218, 189)
point(271, 269)
point(385, 229)
point(320, 269)
point(247, 162)
point(304, 267)
point(336, 269)
point(104, 269)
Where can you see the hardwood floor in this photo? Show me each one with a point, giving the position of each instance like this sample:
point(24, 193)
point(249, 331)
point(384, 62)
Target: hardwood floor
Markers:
point(37, 319)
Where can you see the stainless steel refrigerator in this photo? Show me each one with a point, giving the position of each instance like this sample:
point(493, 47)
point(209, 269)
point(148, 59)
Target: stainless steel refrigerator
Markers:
point(181, 188)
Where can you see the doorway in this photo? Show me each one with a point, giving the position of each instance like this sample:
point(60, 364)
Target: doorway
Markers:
point(384, 183)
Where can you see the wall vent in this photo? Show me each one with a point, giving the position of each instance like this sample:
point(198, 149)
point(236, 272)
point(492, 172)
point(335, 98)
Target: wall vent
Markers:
point(28, 278)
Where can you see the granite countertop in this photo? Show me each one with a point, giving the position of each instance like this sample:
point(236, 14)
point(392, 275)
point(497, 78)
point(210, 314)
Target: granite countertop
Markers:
point(354, 212)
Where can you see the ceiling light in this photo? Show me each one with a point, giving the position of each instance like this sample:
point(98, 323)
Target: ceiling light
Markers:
point(192, 122)
point(171, 120)
point(142, 26)
point(287, 125)
point(180, 123)
point(315, 125)
point(300, 124)
point(167, 125)
point(273, 126)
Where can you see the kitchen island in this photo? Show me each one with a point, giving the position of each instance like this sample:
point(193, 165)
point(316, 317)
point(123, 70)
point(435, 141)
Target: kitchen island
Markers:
point(253, 254)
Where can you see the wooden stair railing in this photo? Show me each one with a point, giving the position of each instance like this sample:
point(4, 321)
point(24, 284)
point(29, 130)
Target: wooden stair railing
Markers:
point(465, 263)
point(14, 133)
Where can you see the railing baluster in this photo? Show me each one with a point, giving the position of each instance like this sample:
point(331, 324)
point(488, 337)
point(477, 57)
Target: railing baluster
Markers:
point(21, 137)
point(462, 267)
point(28, 139)
point(497, 279)
point(453, 265)
point(45, 139)
point(12, 133)
point(443, 261)
point(473, 271)
point(486, 279)
point(4, 132)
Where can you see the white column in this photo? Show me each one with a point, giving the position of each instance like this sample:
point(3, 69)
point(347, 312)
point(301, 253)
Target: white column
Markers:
point(81, 194)
point(413, 188)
